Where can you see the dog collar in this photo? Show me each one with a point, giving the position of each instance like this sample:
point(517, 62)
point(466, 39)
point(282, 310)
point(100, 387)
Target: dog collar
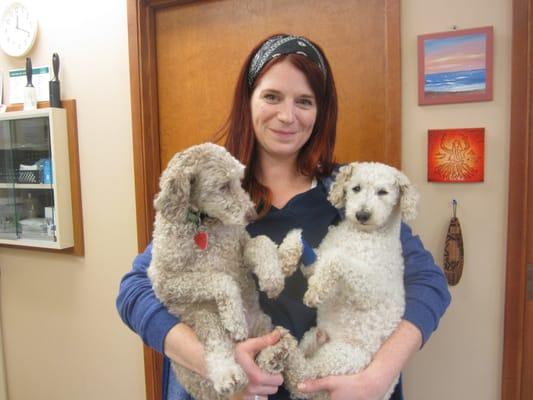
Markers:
point(197, 218)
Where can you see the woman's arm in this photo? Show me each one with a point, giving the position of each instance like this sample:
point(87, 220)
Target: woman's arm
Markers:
point(138, 306)
point(426, 289)
point(142, 311)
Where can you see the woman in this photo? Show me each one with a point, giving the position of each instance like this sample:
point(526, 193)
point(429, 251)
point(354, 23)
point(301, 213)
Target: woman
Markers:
point(282, 127)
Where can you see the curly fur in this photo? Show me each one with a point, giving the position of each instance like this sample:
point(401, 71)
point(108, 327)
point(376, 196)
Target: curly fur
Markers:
point(213, 290)
point(357, 281)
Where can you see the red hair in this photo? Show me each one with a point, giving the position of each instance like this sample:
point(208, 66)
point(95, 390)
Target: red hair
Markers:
point(316, 156)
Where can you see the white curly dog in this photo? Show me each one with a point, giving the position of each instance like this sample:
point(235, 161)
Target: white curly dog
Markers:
point(356, 282)
point(203, 259)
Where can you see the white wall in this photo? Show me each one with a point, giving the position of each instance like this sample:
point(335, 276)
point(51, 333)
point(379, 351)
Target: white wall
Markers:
point(463, 358)
point(63, 338)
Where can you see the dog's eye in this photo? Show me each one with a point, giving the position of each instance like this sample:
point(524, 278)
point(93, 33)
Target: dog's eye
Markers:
point(225, 187)
point(356, 188)
point(382, 192)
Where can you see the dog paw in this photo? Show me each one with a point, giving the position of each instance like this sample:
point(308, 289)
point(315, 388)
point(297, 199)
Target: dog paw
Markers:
point(229, 380)
point(273, 285)
point(312, 299)
point(290, 252)
point(313, 296)
point(273, 359)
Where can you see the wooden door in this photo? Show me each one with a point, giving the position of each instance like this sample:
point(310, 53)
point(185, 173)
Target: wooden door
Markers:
point(517, 374)
point(184, 59)
point(201, 47)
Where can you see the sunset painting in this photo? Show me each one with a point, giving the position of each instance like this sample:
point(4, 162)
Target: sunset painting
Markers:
point(455, 66)
point(456, 155)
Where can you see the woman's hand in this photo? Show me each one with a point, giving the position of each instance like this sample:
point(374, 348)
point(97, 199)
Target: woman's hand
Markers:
point(260, 383)
point(362, 386)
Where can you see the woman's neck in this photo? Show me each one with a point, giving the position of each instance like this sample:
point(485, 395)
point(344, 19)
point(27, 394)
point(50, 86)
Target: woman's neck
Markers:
point(283, 179)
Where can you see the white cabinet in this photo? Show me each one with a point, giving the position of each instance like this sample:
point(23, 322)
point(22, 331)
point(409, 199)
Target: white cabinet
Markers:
point(35, 189)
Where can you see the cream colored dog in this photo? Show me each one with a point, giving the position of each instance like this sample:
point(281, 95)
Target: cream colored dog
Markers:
point(203, 259)
point(356, 282)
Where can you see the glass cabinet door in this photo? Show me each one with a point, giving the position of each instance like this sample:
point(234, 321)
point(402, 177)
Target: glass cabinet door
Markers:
point(27, 187)
point(8, 201)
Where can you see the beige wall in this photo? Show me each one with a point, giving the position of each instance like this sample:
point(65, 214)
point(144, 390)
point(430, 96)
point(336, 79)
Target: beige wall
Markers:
point(63, 339)
point(463, 359)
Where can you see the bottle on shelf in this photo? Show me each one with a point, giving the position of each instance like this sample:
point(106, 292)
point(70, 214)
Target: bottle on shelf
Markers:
point(32, 207)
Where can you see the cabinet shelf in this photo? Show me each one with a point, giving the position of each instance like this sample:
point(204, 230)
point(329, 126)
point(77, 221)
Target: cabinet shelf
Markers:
point(26, 186)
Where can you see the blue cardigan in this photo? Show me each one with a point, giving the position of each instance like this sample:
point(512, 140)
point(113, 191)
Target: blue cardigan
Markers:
point(427, 295)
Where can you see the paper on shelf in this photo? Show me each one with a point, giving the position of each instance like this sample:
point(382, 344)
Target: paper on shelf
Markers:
point(17, 83)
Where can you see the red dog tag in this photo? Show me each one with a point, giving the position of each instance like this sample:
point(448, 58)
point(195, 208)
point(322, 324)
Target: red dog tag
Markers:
point(201, 240)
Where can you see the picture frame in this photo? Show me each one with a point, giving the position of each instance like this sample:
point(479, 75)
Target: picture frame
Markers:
point(456, 155)
point(455, 66)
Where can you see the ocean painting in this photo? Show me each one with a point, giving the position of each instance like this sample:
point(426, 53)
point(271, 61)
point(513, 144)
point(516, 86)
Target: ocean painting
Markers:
point(455, 66)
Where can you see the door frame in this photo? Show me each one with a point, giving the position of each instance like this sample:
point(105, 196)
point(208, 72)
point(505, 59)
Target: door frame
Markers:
point(145, 126)
point(521, 126)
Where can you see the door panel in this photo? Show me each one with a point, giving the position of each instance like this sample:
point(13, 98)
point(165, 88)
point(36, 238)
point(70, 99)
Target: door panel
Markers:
point(202, 45)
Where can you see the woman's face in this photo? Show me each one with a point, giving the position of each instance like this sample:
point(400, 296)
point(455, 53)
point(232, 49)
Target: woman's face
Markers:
point(283, 111)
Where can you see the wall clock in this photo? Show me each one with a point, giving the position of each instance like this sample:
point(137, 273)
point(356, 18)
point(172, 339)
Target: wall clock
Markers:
point(18, 29)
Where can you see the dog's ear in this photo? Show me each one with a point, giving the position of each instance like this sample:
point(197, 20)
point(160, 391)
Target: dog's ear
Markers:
point(337, 194)
point(409, 197)
point(175, 184)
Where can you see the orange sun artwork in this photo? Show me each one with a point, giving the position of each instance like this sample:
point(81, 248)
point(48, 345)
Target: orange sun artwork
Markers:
point(456, 155)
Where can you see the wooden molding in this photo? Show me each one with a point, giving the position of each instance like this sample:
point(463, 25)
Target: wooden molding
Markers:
point(521, 116)
point(143, 86)
point(393, 141)
point(75, 181)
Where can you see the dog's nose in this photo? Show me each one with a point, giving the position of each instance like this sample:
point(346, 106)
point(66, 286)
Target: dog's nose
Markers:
point(362, 216)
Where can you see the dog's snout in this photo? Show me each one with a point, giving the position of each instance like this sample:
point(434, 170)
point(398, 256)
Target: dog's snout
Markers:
point(362, 216)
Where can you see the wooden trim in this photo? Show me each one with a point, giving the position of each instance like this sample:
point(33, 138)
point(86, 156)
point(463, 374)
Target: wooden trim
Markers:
point(515, 283)
point(144, 106)
point(158, 4)
point(141, 26)
point(393, 141)
point(75, 181)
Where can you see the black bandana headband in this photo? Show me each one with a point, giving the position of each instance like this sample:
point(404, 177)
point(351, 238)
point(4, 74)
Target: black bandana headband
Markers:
point(279, 45)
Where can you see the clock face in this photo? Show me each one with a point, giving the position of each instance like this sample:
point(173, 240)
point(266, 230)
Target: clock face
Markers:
point(18, 29)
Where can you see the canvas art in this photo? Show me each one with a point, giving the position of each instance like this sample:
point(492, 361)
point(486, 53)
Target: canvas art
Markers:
point(455, 66)
point(456, 155)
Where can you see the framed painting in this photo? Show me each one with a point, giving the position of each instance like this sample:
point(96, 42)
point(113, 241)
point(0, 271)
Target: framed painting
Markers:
point(455, 66)
point(456, 155)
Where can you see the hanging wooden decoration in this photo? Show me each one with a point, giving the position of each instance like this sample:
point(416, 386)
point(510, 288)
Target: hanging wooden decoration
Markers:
point(454, 250)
